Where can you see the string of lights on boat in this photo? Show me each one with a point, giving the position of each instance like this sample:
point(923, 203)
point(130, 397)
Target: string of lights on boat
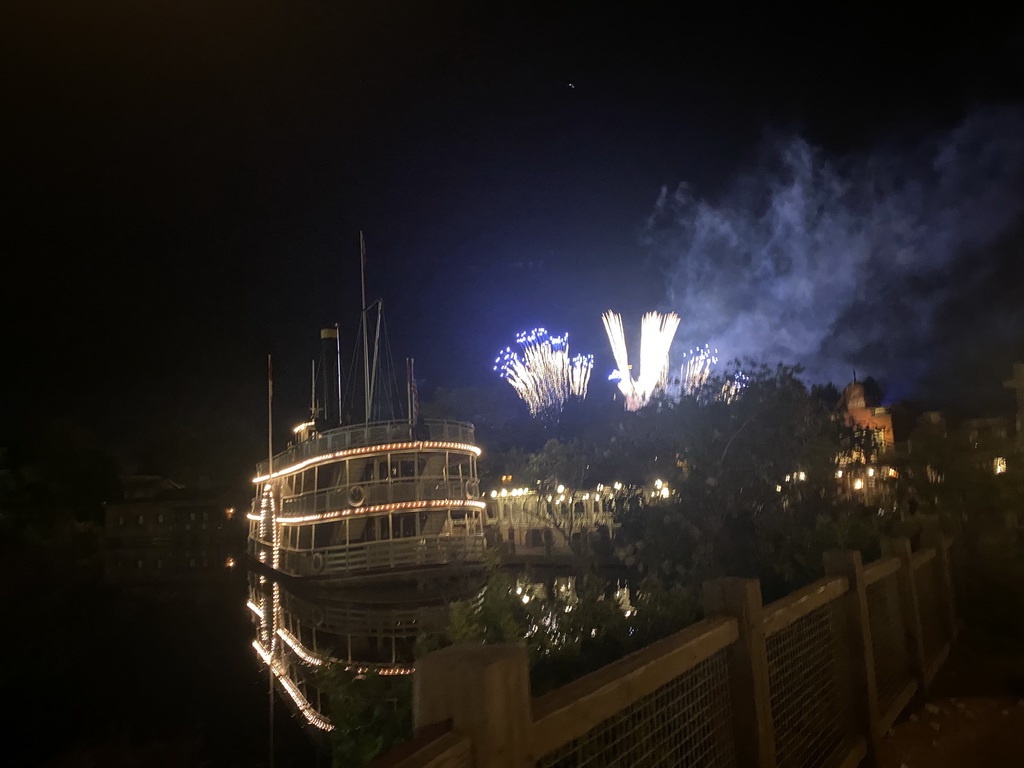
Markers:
point(373, 509)
point(419, 445)
point(313, 717)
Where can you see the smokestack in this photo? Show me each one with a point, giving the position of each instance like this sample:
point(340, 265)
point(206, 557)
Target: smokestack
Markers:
point(330, 379)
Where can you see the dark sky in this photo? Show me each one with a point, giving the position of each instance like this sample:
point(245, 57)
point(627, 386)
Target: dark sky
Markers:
point(186, 180)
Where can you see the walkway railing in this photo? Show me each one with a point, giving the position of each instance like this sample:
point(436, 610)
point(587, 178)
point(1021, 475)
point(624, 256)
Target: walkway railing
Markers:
point(813, 679)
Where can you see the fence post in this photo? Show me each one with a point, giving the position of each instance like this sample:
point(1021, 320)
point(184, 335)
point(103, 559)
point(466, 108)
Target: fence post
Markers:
point(748, 668)
point(862, 655)
point(934, 538)
point(900, 548)
point(485, 691)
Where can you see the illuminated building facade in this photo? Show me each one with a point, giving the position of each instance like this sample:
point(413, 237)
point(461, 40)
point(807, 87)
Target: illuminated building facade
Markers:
point(871, 423)
point(1016, 383)
point(521, 521)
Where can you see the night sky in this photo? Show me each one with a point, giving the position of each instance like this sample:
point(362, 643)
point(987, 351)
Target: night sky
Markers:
point(186, 182)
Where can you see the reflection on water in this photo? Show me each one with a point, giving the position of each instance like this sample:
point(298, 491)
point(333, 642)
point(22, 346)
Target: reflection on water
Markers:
point(372, 626)
point(300, 628)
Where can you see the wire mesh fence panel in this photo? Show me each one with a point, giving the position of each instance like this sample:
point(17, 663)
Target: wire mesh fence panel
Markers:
point(888, 640)
point(928, 600)
point(811, 696)
point(686, 722)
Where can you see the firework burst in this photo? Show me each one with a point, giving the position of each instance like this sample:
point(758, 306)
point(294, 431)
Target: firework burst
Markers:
point(696, 368)
point(733, 385)
point(656, 334)
point(542, 372)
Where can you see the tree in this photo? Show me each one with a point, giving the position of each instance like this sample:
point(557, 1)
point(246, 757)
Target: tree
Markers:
point(371, 713)
point(752, 477)
point(560, 471)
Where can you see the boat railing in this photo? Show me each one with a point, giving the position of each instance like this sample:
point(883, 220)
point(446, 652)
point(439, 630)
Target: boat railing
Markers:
point(375, 493)
point(390, 622)
point(382, 555)
point(375, 433)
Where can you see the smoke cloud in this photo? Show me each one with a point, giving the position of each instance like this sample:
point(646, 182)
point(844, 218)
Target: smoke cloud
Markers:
point(842, 263)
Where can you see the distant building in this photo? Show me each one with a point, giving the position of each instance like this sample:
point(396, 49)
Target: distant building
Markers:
point(147, 486)
point(871, 422)
point(163, 532)
point(520, 521)
point(1016, 383)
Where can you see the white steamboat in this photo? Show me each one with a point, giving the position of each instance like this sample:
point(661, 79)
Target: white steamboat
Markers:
point(370, 499)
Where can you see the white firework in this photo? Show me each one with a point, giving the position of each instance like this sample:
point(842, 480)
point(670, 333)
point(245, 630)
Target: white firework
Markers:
point(617, 339)
point(695, 370)
point(545, 377)
point(656, 334)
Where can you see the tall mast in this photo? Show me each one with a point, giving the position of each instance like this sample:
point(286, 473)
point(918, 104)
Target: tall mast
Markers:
point(408, 389)
point(270, 418)
point(376, 351)
point(337, 348)
point(312, 394)
point(366, 340)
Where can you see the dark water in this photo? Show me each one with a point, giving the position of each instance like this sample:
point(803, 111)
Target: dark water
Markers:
point(128, 667)
point(154, 674)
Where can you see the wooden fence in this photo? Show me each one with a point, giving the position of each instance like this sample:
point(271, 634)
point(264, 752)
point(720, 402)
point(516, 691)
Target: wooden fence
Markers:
point(813, 679)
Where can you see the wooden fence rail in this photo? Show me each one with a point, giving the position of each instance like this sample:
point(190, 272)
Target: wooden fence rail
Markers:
point(813, 679)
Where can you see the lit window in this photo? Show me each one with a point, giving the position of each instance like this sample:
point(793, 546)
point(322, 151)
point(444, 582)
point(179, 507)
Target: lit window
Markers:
point(999, 465)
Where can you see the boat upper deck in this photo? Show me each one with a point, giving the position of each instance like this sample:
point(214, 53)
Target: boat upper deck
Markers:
point(375, 433)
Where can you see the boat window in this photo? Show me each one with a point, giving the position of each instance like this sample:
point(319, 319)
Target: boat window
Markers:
point(370, 532)
point(404, 526)
point(337, 533)
point(306, 537)
point(323, 535)
point(361, 471)
point(309, 481)
point(403, 467)
point(330, 476)
point(458, 466)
